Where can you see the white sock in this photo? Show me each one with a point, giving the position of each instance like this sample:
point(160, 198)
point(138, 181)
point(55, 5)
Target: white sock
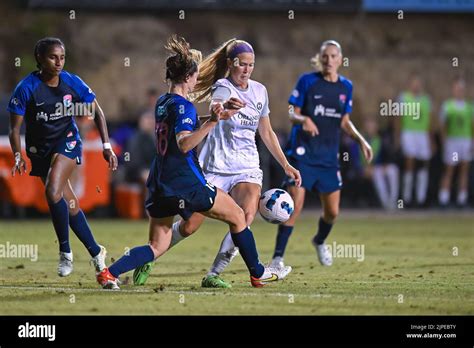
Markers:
point(176, 237)
point(407, 186)
point(462, 197)
point(226, 253)
point(421, 185)
point(393, 183)
point(381, 185)
point(443, 196)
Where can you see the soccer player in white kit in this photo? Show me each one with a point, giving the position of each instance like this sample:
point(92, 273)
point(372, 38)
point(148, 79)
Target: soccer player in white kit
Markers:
point(229, 157)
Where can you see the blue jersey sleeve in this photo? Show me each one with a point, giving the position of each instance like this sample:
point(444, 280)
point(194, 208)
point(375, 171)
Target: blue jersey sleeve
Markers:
point(19, 99)
point(83, 90)
point(348, 106)
point(186, 117)
point(299, 92)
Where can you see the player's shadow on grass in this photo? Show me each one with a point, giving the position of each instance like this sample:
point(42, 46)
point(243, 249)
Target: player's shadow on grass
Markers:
point(203, 273)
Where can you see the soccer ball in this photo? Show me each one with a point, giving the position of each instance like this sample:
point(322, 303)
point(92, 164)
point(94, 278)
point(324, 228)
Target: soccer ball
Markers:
point(276, 206)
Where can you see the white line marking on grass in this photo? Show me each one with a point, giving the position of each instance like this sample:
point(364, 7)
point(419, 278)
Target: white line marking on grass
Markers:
point(208, 293)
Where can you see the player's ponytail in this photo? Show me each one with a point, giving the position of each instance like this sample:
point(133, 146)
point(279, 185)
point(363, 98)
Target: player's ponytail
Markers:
point(183, 61)
point(41, 48)
point(215, 67)
point(316, 60)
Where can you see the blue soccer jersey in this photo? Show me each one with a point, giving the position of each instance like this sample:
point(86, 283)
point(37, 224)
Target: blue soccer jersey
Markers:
point(326, 103)
point(48, 111)
point(174, 173)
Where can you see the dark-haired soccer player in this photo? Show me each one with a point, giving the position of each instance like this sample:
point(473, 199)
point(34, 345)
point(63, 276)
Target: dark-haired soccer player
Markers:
point(320, 106)
point(176, 184)
point(47, 100)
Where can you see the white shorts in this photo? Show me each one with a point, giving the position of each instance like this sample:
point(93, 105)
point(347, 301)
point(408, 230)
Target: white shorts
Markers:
point(226, 182)
point(457, 150)
point(416, 145)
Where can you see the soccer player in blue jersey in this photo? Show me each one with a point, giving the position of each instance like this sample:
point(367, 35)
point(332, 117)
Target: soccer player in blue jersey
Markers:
point(176, 184)
point(320, 106)
point(46, 100)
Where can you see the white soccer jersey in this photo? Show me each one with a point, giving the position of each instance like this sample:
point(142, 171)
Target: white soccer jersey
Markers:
point(230, 147)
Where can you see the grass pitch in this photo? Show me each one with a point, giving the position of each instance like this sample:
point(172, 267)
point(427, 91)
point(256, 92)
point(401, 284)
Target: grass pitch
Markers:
point(413, 264)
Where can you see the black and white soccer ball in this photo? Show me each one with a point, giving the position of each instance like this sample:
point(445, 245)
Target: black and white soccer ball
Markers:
point(276, 206)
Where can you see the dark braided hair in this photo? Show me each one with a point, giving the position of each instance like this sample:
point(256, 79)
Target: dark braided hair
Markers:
point(183, 62)
point(42, 46)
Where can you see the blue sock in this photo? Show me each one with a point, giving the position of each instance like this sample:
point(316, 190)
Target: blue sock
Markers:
point(246, 244)
point(137, 257)
point(60, 215)
point(323, 231)
point(82, 230)
point(284, 232)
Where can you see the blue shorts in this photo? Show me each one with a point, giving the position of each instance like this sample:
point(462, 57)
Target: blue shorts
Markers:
point(70, 146)
point(185, 204)
point(316, 178)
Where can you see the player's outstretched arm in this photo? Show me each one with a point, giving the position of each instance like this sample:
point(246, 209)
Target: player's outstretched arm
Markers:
point(101, 123)
point(15, 143)
point(273, 145)
point(350, 129)
point(189, 140)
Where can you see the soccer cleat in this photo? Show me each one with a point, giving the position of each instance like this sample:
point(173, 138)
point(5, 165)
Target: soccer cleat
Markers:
point(99, 260)
point(270, 274)
point(65, 264)
point(277, 262)
point(324, 255)
point(214, 281)
point(107, 280)
point(141, 274)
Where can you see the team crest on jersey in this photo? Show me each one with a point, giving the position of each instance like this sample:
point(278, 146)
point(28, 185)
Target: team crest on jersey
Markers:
point(259, 106)
point(342, 98)
point(71, 144)
point(67, 100)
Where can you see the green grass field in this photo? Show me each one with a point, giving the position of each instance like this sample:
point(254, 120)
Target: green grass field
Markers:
point(409, 268)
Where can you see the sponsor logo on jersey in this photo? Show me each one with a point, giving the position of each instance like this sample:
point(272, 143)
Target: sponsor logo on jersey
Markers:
point(328, 112)
point(69, 135)
point(33, 149)
point(42, 116)
point(318, 96)
point(67, 100)
point(319, 110)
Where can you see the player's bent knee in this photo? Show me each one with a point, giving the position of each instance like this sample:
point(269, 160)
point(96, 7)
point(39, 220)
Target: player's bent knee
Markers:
point(53, 194)
point(331, 214)
point(237, 220)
